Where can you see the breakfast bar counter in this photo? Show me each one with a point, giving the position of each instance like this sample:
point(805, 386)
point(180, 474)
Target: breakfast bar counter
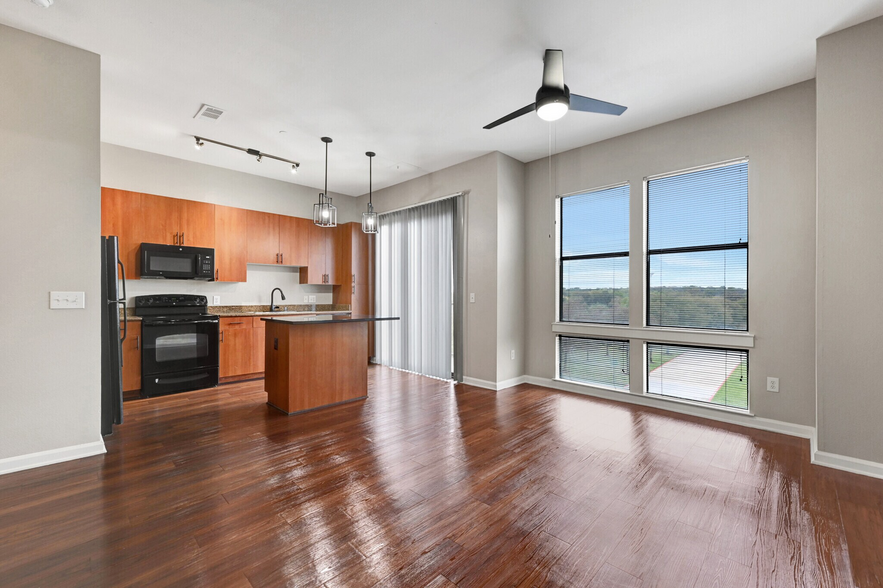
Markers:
point(316, 361)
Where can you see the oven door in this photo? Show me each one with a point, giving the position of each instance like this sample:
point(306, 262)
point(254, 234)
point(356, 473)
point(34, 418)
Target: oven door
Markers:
point(176, 345)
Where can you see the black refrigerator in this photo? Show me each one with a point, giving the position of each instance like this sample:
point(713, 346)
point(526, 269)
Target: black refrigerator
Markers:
point(113, 295)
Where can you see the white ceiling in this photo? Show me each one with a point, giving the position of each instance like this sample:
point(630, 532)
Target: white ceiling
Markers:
point(415, 81)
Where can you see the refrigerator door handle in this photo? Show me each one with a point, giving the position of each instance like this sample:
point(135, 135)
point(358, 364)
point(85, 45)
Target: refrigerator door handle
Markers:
point(123, 282)
point(125, 306)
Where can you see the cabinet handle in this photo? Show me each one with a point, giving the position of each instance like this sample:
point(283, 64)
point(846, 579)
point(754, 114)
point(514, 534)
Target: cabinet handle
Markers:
point(216, 275)
point(176, 238)
point(354, 278)
point(354, 289)
point(236, 323)
point(222, 336)
point(137, 342)
point(182, 238)
point(282, 258)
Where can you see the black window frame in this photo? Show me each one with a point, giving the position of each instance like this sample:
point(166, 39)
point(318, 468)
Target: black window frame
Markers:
point(694, 249)
point(562, 258)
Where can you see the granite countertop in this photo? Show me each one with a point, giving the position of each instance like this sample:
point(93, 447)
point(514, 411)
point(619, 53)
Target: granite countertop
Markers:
point(264, 310)
point(329, 318)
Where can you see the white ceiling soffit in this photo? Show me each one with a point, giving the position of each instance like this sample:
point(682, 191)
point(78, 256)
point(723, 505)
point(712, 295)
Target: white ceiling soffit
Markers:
point(416, 81)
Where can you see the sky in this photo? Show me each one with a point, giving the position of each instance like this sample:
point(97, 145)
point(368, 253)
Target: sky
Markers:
point(707, 207)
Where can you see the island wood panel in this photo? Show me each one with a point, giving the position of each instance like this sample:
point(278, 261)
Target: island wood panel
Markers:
point(263, 237)
point(197, 223)
point(160, 220)
point(294, 240)
point(131, 356)
point(231, 244)
point(121, 217)
point(309, 366)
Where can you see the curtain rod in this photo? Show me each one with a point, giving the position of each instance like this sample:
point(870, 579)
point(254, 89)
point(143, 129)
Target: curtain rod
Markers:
point(454, 195)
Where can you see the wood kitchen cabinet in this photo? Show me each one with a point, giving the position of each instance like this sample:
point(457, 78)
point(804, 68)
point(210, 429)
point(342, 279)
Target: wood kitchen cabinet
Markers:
point(231, 244)
point(121, 217)
point(235, 352)
point(294, 240)
point(263, 237)
point(172, 221)
point(322, 268)
point(131, 356)
point(355, 251)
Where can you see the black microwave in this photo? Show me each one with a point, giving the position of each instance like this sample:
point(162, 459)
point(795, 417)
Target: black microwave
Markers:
point(178, 263)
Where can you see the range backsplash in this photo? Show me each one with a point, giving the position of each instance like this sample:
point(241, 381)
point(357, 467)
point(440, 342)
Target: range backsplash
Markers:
point(261, 280)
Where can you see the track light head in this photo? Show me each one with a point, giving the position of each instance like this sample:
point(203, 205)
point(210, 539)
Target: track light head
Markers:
point(199, 143)
point(259, 158)
point(294, 168)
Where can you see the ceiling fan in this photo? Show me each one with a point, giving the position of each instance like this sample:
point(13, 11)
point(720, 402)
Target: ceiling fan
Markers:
point(554, 98)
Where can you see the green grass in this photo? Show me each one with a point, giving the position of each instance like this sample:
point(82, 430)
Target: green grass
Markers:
point(660, 358)
point(734, 393)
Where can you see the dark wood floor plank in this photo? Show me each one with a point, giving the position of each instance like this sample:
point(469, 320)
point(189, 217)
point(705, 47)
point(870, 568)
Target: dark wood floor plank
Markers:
point(430, 484)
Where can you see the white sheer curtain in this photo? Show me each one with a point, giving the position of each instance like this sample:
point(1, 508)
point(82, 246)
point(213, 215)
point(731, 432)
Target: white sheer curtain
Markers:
point(414, 281)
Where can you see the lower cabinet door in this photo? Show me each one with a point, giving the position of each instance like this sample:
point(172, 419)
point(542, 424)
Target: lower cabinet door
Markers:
point(132, 357)
point(235, 352)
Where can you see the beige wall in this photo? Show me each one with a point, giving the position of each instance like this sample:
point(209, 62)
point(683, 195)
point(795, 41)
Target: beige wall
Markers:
point(477, 177)
point(141, 171)
point(50, 397)
point(510, 268)
point(850, 264)
point(777, 132)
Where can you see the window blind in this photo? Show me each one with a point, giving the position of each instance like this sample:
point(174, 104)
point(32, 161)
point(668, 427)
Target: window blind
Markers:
point(594, 256)
point(697, 237)
point(714, 376)
point(600, 362)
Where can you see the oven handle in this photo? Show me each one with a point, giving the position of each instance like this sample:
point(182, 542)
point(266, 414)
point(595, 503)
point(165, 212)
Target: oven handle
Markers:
point(151, 323)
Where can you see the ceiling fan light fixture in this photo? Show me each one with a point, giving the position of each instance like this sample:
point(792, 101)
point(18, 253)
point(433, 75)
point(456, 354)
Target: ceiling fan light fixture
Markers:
point(552, 110)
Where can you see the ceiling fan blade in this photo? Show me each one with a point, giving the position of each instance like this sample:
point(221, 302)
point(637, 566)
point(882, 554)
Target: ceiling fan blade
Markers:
point(585, 104)
point(520, 112)
point(553, 69)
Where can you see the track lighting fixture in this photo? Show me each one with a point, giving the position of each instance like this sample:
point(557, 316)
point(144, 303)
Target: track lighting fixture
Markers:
point(369, 219)
point(200, 141)
point(325, 213)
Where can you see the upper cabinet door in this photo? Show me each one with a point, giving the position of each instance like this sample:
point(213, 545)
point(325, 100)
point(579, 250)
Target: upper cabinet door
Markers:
point(197, 223)
point(160, 220)
point(263, 237)
point(361, 254)
point(332, 236)
point(231, 244)
point(294, 241)
point(121, 217)
point(315, 271)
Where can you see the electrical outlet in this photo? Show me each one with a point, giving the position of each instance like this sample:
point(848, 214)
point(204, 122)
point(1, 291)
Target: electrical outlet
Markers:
point(512, 354)
point(216, 299)
point(772, 384)
point(306, 298)
point(312, 298)
point(472, 297)
point(64, 300)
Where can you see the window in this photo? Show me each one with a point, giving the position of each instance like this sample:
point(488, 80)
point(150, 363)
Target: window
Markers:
point(697, 237)
point(715, 376)
point(599, 362)
point(594, 257)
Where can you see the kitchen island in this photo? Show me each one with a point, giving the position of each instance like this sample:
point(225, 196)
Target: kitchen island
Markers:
point(316, 361)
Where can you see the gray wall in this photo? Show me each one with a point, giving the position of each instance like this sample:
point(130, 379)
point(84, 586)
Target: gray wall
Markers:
point(777, 132)
point(510, 268)
point(850, 265)
point(49, 236)
point(478, 177)
point(141, 171)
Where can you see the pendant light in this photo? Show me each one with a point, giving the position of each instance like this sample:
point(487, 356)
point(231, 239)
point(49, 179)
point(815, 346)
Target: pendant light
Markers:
point(369, 219)
point(325, 213)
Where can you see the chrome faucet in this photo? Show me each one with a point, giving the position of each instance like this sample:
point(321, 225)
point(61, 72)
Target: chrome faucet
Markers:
point(273, 307)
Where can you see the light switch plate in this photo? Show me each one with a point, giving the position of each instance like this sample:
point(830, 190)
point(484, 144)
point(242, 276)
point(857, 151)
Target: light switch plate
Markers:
point(472, 297)
point(65, 300)
point(216, 299)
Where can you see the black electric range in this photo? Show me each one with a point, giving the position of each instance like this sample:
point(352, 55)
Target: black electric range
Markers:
point(179, 349)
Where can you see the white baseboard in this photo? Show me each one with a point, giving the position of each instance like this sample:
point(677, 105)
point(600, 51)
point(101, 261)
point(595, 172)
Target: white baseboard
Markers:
point(494, 385)
point(43, 458)
point(848, 464)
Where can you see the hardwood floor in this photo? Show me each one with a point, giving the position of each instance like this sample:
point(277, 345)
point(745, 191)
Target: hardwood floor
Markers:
point(427, 484)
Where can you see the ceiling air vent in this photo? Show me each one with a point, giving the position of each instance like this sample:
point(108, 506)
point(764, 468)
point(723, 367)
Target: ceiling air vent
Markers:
point(209, 112)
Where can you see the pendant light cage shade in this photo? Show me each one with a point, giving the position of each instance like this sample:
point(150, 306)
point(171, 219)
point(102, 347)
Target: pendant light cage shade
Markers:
point(324, 212)
point(369, 219)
